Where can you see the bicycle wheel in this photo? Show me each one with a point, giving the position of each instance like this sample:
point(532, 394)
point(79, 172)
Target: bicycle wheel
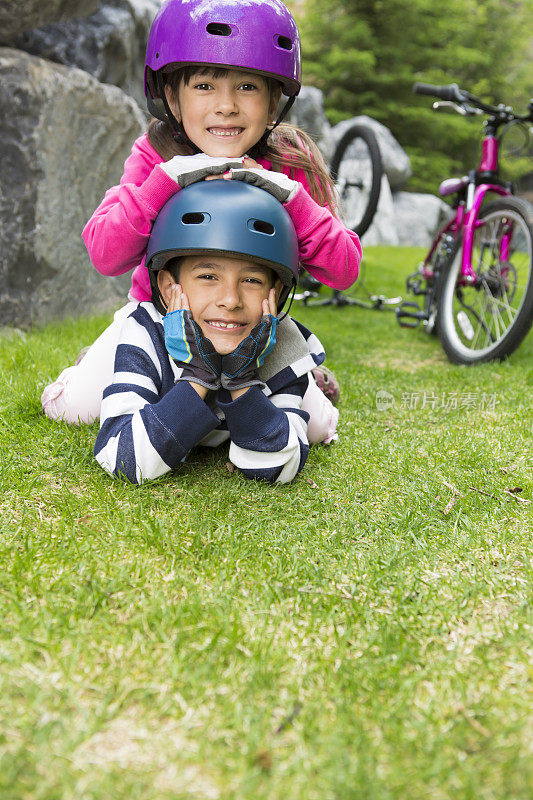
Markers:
point(356, 168)
point(441, 255)
point(487, 320)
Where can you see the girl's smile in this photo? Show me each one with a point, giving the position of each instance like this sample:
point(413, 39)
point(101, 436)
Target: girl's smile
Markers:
point(226, 131)
point(224, 115)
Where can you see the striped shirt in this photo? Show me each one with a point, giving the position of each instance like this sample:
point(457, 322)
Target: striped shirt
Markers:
point(149, 421)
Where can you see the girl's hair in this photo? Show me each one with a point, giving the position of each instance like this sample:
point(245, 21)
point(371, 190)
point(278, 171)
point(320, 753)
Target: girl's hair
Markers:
point(286, 146)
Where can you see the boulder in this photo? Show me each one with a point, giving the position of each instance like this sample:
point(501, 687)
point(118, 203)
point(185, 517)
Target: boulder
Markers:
point(419, 217)
point(396, 162)
point(308, 114)
point(383, 229)
point(17, 16)
point(109, 44)
point(64, 140)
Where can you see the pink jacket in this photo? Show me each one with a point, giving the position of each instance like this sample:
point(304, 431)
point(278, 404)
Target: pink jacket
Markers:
point(117, 234)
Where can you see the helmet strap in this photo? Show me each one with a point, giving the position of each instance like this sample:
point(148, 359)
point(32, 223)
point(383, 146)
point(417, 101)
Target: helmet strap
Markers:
point(285, 314)
point(260, 148)
point(178, 131)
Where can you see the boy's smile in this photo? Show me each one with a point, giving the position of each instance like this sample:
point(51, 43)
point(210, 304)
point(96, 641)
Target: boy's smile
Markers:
point(225, 296)
point(224, 115)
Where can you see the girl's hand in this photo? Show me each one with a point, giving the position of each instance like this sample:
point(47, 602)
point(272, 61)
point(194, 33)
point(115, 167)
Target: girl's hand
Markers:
point(191, 169)
point(277, 184)
point(247, 163)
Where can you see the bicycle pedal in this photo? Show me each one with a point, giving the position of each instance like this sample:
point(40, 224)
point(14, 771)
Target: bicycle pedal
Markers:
point(416, 317)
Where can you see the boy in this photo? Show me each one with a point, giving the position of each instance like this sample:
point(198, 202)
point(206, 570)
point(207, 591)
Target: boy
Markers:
point(206, 360)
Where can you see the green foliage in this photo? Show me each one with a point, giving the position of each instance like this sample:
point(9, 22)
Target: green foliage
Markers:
point(366, 55)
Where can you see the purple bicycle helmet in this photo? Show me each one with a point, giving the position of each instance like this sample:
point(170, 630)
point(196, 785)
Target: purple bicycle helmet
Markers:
point(256, 35)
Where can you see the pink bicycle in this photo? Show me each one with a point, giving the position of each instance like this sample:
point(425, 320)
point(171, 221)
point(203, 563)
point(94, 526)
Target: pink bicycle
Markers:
point(477, 279)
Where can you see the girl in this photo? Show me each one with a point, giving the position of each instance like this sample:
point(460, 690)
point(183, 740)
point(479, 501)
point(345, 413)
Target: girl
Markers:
point(214, 75)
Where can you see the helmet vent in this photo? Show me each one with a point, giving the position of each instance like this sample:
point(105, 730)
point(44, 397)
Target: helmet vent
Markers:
point(194, 218)
point(218, 29)
point(261, 226)
point(284, 42)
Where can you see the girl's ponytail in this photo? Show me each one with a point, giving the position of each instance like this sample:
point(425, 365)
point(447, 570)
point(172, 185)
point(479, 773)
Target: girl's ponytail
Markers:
point(292, 147)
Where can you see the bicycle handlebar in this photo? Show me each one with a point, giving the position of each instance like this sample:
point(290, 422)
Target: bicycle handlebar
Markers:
point(454, 94)
point(451, 92)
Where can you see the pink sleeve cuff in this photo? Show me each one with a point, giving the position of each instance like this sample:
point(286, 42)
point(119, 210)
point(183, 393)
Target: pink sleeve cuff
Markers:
point(157, 189)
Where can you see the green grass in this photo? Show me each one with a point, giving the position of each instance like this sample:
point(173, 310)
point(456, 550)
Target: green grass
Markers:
point(364, 632)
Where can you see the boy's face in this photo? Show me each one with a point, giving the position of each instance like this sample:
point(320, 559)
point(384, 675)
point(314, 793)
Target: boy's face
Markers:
point(225, 296)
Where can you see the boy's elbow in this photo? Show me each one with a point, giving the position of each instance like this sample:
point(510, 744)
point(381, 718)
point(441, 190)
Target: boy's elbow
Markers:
point(283, 473)
point(122, 472)
point(263, 475)
point(116, 460)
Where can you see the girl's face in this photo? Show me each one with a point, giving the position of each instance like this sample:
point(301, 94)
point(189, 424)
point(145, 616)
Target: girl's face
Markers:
point(224, 115)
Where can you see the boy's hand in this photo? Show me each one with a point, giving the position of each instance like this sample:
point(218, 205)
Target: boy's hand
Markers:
point(187, 345)
point(191, 169)
point(277, 184)
point(239, 368)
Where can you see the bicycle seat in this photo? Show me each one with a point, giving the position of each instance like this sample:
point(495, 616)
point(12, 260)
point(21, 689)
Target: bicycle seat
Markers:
point(452, 185)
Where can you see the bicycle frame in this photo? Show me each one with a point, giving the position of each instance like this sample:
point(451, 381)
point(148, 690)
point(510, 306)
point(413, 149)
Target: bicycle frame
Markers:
point(471, 223)
point(467, 213)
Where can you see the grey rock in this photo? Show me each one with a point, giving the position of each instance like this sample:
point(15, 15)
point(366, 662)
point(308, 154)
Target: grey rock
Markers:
point(308, 114)
point(109, 44)
point(64, 140)
point(8, 333)
point(17, 16)
point(419, 217)
point(384, 228)
point(396, 162)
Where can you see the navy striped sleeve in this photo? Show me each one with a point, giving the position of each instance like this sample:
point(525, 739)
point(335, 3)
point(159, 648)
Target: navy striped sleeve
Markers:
point(147, 422)
point(269, 434)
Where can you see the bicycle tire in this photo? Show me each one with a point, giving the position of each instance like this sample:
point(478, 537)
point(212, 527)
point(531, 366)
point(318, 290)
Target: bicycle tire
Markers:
point(488, 320)
point(443, 253)
point(356, 168)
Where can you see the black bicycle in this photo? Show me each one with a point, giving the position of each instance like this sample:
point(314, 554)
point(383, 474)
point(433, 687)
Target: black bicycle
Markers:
point(356, 169)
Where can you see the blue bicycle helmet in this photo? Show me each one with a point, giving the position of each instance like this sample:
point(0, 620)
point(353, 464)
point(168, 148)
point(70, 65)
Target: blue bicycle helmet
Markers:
point(229, 217)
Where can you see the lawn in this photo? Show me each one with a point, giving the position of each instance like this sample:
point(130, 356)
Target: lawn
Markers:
point(364, 632)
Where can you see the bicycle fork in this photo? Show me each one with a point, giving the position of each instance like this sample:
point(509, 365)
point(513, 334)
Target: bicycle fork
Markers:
point(425, 282)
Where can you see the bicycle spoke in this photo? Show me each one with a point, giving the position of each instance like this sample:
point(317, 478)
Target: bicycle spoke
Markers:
point(486, 325)
point(481, 323)
point(511, 310)
point(492, 313)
